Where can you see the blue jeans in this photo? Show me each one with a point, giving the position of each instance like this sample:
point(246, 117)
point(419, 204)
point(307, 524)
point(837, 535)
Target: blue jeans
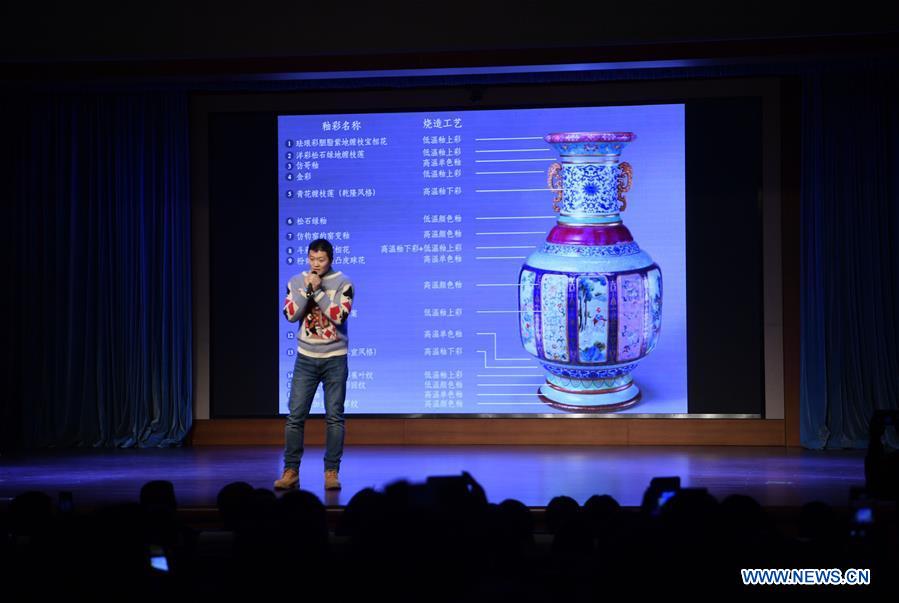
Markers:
point(307, 373)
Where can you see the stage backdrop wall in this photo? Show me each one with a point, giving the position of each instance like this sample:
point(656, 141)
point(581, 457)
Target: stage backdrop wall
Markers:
point(94, 191)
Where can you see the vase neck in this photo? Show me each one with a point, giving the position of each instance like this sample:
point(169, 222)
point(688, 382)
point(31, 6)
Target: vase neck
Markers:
point(590, 192)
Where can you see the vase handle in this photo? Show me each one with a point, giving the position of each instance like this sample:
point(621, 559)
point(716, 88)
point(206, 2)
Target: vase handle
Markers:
point(625, 179)
point(554, 182)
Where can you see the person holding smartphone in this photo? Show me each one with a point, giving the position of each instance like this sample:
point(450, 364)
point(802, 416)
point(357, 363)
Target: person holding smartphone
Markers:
point(321, 300)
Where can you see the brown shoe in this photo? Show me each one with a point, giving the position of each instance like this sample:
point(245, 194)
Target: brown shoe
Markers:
point(290, 479)
point(331, 482)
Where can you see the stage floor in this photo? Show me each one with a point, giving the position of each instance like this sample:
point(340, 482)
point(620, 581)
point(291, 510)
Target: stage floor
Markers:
point(776, 477)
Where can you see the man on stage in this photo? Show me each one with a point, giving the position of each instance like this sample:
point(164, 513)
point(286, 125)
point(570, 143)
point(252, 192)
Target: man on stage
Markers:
point(321, 300)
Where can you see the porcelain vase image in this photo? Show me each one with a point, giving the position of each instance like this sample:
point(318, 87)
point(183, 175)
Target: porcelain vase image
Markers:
point(590, 300)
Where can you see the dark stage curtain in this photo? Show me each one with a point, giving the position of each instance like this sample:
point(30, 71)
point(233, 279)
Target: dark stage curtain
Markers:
point(850, 253)
point(98, 216)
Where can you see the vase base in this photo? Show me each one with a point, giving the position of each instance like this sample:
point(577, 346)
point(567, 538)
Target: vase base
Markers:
point(571, 402)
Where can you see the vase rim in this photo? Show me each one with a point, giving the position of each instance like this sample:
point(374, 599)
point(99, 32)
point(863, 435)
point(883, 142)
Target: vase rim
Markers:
point(590, 137)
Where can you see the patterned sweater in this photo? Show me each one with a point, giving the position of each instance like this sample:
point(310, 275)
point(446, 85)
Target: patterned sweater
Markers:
point(323, 332)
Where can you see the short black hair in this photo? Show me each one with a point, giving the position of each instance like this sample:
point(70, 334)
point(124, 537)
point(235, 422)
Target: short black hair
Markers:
point(322, 245)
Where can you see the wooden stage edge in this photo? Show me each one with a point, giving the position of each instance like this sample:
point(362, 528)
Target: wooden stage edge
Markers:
point(542, 432)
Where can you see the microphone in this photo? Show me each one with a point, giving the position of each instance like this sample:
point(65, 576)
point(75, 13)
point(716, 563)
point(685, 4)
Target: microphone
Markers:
point(309, 286)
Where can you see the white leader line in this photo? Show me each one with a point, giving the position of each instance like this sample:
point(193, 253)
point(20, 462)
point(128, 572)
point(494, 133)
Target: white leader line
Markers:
point(508, 403)
point(513, 138)
point(534, 375)
point(514, 217)
point(509, 384)
point(511, 232)
point(511, 150)
point(505, 368)
point(514, 190)
point(495, 346)
point(506, 247)
point(530, 395)
point(511, 172)
point(509, 160)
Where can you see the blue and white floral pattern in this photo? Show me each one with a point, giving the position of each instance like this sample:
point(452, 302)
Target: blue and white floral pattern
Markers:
point(554, 316)
point(584, 251)
point(590, 188)
point(590, 373)
point(526, 305)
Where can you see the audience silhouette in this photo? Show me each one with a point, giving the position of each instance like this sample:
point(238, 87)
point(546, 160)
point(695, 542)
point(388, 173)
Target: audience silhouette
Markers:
point(438, 541)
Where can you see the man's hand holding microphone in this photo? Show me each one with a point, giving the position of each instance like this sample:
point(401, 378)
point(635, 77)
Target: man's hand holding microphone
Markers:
point(313, 282)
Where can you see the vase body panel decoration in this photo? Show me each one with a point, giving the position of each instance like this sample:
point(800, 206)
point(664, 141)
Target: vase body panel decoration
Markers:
point(590, 299)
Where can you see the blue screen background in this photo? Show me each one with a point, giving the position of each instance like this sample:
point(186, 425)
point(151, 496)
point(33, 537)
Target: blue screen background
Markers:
point(432, 215)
